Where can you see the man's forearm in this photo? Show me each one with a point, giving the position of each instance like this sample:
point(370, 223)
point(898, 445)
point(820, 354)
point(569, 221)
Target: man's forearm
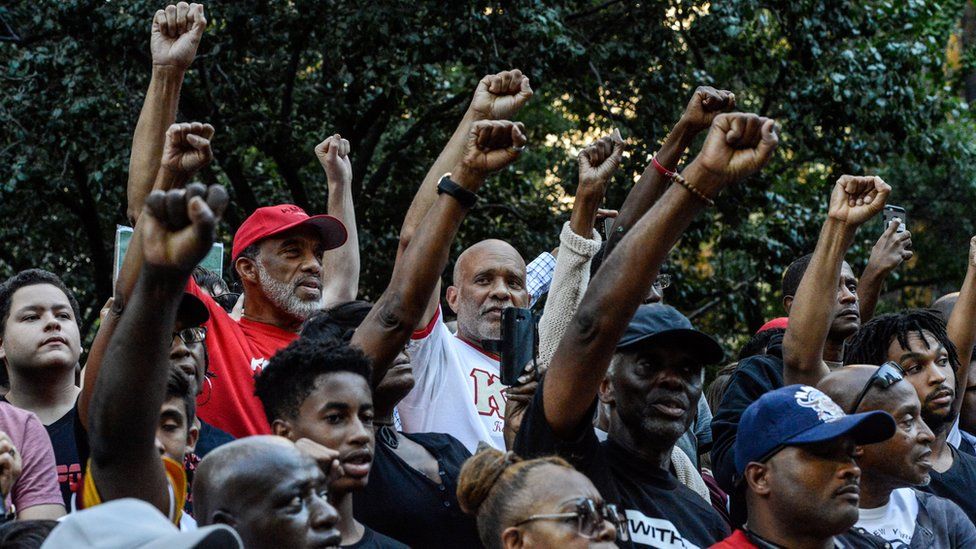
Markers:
point(340, 267)
point(583, 218)
point(962, 332)
point(158, 112)
point(449, 157)
point(651, 184)
point(583, 356)
point(869, 291)
point(810, 314)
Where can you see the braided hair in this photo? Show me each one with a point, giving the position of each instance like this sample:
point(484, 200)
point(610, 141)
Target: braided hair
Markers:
point(870, 344)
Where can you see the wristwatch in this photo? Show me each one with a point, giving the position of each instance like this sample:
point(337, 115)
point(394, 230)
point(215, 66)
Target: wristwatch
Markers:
point(464, 197)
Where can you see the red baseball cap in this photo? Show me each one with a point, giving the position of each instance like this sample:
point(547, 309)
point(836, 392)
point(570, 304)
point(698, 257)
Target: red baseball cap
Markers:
point(780, 322)
point(271, 220)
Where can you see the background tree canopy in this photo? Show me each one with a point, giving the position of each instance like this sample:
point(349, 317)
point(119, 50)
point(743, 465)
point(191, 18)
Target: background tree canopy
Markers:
point(866, 87)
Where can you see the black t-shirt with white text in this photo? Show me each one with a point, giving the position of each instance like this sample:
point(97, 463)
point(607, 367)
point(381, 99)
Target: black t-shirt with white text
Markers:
point(958, 484)
point(661, 512)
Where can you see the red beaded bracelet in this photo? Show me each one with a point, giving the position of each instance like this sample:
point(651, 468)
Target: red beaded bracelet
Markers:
point(677, 178)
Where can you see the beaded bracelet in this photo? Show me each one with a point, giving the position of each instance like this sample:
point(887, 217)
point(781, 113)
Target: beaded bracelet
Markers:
point(677, 178)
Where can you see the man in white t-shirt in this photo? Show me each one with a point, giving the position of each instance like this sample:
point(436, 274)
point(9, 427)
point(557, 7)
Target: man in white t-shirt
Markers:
point(458, 389)
point(889, 506)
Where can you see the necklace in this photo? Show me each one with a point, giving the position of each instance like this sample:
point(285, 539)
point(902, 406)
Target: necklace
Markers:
point(389, 437)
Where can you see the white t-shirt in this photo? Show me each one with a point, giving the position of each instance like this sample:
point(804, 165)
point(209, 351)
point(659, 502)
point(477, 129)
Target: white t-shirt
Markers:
point(458, 390)
point(895, 522)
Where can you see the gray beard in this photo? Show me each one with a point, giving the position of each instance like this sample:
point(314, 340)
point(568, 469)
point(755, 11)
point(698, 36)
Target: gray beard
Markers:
point(283, 296)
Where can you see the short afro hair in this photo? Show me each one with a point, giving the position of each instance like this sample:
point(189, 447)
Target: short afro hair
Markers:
point(291, 374)
point(337, 323)
point(794, 274)
point(870, 344)
point(31, 277)
point(178, 386)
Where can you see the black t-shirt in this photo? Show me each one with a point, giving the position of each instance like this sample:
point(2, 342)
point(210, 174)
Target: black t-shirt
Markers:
point(958, 484)
point(70, 442)
point(210, 439)
point(375, 540)
point(661, 511)
point(403, 503)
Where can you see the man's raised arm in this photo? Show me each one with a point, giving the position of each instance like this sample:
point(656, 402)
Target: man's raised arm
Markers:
point(853, 201)
point(891, 250)
point(176, 33)
point(340, 266)
point(497, 97)
point(179, 228)
point(489, 147)
point(697, 117)
point(962, 327)
point(737, 145)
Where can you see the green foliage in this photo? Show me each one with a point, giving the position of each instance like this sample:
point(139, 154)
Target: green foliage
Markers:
point(856, 88)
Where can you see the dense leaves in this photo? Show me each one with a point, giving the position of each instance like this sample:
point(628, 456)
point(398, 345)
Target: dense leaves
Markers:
point(856, 88)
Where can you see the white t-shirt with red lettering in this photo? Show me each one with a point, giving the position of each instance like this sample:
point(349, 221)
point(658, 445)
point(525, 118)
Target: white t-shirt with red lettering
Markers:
point(238, 351)
point(457, 391)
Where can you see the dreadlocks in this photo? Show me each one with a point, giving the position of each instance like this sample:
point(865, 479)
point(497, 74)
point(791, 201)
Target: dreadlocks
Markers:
point(870, 344)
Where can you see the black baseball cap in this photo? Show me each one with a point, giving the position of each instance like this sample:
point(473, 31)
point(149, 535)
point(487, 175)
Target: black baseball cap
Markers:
point(657, 323)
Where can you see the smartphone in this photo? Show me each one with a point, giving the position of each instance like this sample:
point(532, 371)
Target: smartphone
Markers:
point(518, 344)
point(607, 227)
point(891, 212)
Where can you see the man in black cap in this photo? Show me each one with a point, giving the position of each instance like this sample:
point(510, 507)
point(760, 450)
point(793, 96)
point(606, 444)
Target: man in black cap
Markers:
point(655, 358)
point(795, 456)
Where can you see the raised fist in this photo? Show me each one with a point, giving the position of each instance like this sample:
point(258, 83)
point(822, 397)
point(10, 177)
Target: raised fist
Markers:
point(333, 154)
point(856, 199)
point(176, 33)
point(326, 458)
point(180, 225)
point(187, 147)
point(493, 144)
point(11, 465)
point(598, 162)
point(500, 96)
point(738, 145)
point(705, 104)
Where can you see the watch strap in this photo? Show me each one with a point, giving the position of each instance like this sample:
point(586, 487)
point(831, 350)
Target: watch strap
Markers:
point(464, 197)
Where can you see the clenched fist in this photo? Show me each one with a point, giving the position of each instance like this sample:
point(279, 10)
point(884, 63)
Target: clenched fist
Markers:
point(599, 161)
point(500, 96)
point(738, 145)
point(180, 225)
point(493, 144)
point(333, 154)
point(187, 148)
point(176, 33)
point(856, 199)
point(704, 105)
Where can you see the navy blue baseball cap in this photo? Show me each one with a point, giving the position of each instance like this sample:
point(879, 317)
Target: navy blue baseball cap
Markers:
point(656, 323)
point(800, 414)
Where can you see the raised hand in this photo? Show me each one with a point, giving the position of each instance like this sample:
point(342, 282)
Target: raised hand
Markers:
point(599, 161)
point(491, 145)
point(11, 465)
point(891, 249)
point(326, 458)
point(500, 96)
point(176, 33)
point(333, 154)
point(187, 148)
point(180, 225)
point(705, 103)
point(737, 145)
point(856, 199)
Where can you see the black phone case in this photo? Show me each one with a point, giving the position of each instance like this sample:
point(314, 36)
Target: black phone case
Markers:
point(518, 344)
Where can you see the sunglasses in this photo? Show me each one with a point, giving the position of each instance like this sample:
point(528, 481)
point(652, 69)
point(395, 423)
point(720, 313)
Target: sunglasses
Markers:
point(227, 300)
point(192, 335)
point(887, 375)
point(589, 517)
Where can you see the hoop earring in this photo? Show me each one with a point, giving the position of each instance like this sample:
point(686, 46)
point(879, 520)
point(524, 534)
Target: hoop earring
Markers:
point(206, 383)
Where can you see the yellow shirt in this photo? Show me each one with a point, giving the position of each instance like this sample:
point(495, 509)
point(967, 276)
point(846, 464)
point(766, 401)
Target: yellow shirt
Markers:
point(175, 474)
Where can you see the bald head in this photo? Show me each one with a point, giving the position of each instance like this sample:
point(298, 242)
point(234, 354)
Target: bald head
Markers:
point(486, 250)
point(247, 464)
point(844, 384)
point(945, 304)
point(488, 277)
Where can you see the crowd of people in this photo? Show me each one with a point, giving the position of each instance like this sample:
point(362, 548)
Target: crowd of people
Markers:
point(292, 414)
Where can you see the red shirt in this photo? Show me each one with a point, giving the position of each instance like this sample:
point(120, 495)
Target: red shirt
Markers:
point(237, 352)
point(737, 540)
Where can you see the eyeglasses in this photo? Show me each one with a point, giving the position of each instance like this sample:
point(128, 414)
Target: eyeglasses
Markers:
point(227, 300)
point(589, 517)
point(192, 335)
point(887, 375)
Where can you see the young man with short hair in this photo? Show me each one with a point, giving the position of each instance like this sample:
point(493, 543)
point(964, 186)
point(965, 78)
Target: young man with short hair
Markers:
point(795, 457)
